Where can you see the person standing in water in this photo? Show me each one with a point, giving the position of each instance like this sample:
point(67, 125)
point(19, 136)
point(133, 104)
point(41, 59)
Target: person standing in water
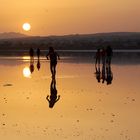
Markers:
point(109, 54)
point(38, 58)
point(31, 53)
point(52, 55)
point(38, 53)
point(98, 57)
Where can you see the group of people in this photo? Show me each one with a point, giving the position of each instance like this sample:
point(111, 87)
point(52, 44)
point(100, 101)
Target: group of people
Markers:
point(52, 55)
point(105, 55)
point(102, 63)
point(103, 71)
point(31, 52)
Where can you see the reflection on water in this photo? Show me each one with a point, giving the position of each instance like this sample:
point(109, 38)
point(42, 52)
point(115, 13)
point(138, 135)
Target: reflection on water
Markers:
point(38, 59)
point(53, 97)
point(31, 52)
point(25, 58)
point(104, 73)
point(32, 61)
point(86, 110)
point(26, 72)
point(109, 75)
point(38, 65)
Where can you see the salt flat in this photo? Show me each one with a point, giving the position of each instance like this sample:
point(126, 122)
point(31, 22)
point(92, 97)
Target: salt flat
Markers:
point(86, 110)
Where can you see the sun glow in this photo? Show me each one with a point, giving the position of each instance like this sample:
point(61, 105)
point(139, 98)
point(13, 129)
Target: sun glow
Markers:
point(26, 72)
point(26, 26)
point(26, 58)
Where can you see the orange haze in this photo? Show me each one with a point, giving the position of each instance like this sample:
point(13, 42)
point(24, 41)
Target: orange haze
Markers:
point(49, 17)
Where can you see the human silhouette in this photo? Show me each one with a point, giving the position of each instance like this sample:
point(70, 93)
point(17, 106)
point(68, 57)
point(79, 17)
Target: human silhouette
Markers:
point(31, 53)
point(98, 74)
point(109, 54)
point(38, 53)
point(103, 54)
point(53, 98)
point(104, 72)
point(109, 75)
point(38, 65)
point(97, 57)
point(52, 55)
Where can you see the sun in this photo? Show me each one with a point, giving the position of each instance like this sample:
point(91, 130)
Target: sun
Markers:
point(26, 27)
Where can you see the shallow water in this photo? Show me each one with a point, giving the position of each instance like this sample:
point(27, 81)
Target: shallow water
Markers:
point(86, 110)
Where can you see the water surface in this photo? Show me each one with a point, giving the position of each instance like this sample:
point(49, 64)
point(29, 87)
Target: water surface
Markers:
point(86, 110)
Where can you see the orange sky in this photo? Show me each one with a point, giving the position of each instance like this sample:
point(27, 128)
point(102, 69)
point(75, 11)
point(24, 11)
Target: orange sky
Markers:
point(58, 17)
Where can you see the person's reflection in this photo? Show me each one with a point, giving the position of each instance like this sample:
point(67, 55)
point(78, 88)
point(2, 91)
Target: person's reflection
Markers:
point(109, 75)
point(38, 65)
point(31, 52)
point(53, 98)
point(31, 68)
point(98, 74)
point(103, 74)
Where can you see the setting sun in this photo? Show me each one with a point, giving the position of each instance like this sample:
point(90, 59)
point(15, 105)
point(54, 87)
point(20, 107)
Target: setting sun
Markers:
point(26, 26)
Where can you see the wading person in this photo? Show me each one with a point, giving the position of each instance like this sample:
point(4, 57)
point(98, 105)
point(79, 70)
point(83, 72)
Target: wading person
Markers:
point(31, 53)
point(97, 57)
point(38, 58)
point(52, 55)
point(109, 54)
point(38, 53)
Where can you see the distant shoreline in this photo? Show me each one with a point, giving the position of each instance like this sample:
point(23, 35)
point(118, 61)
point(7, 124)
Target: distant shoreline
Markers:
point(118, 41)
point(82, 51)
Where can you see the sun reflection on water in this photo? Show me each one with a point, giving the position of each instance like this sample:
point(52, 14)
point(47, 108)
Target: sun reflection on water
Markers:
point(26, 72)
point(26, 58)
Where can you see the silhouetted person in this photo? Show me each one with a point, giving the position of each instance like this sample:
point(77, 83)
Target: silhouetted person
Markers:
point(38, 53)
point(105, 74)
point(109, 54)
point(98, 74)
point(109, 75)
point(103, 53)
point(53, 60)
point(98, 57)
point(38, 65)
point(31, 53)
point(53, 98)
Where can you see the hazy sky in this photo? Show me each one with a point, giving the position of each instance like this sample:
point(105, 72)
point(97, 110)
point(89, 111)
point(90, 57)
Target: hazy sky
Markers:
point(58, 17)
